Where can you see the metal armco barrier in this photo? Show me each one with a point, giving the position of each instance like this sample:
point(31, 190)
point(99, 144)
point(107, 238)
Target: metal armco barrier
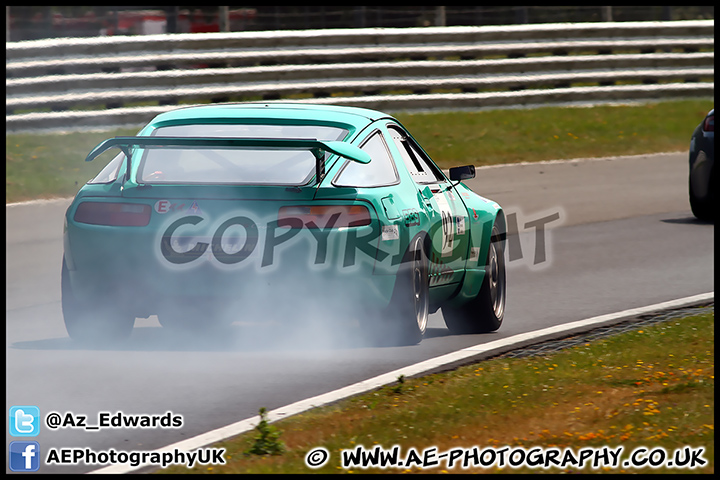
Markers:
point(111, 81)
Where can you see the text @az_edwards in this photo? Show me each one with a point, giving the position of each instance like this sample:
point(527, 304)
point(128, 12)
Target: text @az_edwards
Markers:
point(112, 420)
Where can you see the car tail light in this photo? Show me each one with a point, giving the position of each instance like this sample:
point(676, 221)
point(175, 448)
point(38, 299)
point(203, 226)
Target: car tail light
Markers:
point(116, 214)
point(320, 216)
point(709, 124)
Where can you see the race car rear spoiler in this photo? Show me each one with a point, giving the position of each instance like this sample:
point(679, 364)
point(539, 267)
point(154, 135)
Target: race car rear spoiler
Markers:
point(317, 147)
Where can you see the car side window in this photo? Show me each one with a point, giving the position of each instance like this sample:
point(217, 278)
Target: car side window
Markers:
point(110, 173)
point(421, 168)
point(379, 172)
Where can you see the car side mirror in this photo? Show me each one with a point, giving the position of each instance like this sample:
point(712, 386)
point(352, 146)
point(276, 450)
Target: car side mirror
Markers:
point(462, 173)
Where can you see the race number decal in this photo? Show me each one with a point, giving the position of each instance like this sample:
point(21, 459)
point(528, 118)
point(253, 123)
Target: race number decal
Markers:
point(448, 224)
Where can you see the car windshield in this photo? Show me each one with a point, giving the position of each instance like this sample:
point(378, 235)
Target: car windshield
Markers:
point(235, 166)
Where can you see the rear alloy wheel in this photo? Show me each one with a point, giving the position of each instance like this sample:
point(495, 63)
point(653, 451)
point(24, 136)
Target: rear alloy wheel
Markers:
point(405, 320)
point(486, 311)
point(97, 322)
point(416, 316)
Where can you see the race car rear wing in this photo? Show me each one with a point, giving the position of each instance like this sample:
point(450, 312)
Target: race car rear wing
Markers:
point(317, 147)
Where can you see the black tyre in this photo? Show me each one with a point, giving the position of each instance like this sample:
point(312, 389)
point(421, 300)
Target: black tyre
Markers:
point(99, 322)
point(404, 321)
point(703, 209)
point(486, 311)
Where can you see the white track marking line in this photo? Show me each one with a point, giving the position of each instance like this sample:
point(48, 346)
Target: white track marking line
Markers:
point(465, 354)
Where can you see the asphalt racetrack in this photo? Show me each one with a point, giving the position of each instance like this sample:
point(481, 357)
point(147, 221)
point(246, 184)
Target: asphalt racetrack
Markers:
point(596, 236)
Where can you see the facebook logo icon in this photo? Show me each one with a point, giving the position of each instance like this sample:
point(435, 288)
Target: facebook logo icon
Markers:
point(24, 456)
point(24, 421)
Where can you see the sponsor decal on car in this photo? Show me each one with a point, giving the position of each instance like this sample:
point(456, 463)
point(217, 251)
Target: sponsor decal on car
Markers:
point(165, 206)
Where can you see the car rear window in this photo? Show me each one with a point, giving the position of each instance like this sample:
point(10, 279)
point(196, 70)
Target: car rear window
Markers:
point(234, 165)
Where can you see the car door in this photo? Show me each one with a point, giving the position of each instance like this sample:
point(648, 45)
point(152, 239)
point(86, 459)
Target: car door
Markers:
point(448, 216)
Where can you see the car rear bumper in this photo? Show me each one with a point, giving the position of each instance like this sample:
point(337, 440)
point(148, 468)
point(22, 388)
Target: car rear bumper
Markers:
point(127, 267)
point(145, 294)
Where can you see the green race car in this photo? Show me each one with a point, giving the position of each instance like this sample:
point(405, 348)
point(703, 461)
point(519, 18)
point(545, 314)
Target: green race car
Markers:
point(219, 213)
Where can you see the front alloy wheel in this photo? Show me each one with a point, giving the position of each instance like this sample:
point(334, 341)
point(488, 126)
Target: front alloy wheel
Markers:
point(486, 311)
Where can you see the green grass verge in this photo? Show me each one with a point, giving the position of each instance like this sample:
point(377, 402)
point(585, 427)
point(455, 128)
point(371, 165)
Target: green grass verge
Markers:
point(651, 387)
point(51, 165)
point(510, 136)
